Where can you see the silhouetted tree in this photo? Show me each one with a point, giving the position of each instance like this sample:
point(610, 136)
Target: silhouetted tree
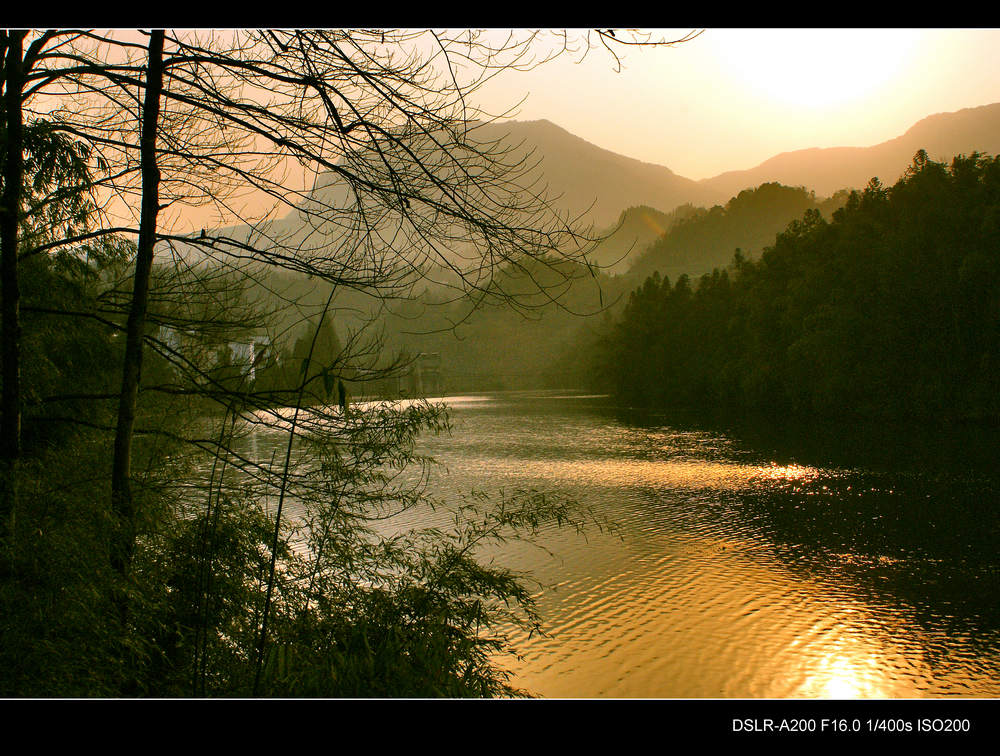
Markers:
point(401, 192)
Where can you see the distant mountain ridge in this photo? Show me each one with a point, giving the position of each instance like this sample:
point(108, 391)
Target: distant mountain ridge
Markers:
point(825, 170)
point(602, 188)
point(581, 175)
point(583, 178)
point(597, 184)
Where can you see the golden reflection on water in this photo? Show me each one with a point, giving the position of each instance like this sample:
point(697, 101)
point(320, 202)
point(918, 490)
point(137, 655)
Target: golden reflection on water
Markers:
point(694, 600)
point(607, 472)
point(683, 473)
point(714, 619)
point(776, 472)
point(844, 673)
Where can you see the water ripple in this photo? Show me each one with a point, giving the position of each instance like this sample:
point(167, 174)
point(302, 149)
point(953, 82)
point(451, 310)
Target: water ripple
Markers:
point(735, 572)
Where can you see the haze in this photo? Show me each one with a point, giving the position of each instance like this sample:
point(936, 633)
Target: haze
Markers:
point(732, 98)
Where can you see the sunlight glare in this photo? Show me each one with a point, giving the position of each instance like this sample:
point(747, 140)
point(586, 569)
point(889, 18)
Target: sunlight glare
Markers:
point(818, 68)
point(845, 675)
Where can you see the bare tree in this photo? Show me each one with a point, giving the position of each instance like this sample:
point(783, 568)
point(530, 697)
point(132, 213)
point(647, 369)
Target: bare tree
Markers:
point(351, 157)
point(404, 190)
point(121, 495)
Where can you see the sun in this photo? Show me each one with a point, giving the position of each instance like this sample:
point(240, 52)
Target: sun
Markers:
point(817, 68)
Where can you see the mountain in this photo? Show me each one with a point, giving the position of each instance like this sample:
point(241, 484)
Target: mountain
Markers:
point(597, 185)
point(631, 202)
point(578, 177)
point(585, 178)
point(825, 170)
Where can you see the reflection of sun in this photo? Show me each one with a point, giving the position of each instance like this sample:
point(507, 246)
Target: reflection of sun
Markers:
point(840, 676)
point(841, 681)
point(775, 471)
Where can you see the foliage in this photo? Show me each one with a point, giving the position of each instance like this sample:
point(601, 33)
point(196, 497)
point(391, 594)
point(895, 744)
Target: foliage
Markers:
point(194, 562)
point(428, 618)
point(889, 309)
point(705, 238)
point(360, 610)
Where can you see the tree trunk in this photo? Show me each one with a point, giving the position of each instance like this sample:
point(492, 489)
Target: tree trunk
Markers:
point(10, 336)
point(122, 501)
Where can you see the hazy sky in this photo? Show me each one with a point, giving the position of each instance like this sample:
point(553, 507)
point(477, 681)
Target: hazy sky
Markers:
point(732, 98)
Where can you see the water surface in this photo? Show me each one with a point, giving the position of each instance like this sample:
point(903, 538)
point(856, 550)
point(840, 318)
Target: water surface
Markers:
point(754, 563)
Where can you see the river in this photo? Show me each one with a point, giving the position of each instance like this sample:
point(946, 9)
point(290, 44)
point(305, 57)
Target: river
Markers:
point(761, 561)
point(751, 564)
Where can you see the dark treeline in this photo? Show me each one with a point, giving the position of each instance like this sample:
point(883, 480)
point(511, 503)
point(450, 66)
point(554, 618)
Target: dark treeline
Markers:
point(891, 310)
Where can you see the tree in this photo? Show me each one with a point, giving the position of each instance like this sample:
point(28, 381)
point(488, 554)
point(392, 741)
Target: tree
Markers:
point(364, 144)
point(887, 311)
point(122, 502)
point(12, 176)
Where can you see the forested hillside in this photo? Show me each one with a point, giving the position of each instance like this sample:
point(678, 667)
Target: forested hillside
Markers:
point(492, 346)
point(890, 309)
point(706, 238)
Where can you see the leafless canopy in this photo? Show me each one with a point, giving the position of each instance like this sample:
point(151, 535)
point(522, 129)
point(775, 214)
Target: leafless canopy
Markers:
point(207, 163)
